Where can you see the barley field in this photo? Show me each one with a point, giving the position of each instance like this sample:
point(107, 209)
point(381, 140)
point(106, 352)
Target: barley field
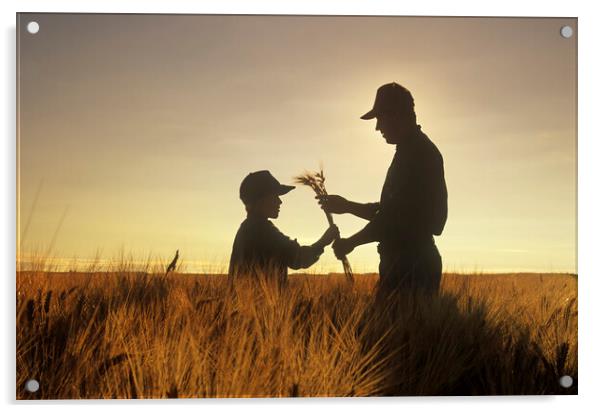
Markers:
point(128, 334)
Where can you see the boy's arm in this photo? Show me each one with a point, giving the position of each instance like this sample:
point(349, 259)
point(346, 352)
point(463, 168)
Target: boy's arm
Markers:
point(294, 255)
point(308, 255)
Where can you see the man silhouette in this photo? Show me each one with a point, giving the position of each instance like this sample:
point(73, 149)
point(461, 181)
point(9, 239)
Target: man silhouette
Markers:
point(260, 249)
point(413, 202)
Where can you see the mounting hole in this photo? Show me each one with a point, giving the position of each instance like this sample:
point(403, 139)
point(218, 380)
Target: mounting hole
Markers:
point(566, 32)
point(32, 386)
point(33, 27)
point(566, 381)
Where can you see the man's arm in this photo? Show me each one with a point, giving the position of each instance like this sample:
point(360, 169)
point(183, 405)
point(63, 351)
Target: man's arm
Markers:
point(365, 211)
point(336, 204)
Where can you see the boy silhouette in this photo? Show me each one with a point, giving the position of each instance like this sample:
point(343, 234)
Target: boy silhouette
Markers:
point(260, 249)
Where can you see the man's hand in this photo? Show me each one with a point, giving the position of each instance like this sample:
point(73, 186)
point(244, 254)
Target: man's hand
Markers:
point(333, 204)
point(342, 247)
point(330, 235)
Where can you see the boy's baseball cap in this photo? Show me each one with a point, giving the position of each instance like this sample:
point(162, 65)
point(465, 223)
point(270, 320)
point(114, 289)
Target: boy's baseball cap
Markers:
point(258, 184)
point(391, 97)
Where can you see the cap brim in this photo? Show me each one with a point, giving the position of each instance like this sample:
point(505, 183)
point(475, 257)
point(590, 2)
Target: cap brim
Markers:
point(285, 189)
point(369, 115)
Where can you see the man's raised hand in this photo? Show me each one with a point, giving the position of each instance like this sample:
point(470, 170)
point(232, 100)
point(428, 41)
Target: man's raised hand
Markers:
point(333, 204)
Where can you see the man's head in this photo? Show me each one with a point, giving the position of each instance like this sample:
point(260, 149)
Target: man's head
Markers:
point(394, 112)
point(260, 191)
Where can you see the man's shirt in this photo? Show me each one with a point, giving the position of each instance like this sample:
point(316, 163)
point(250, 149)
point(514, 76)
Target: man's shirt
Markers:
point(260, 249)
point(413, 202)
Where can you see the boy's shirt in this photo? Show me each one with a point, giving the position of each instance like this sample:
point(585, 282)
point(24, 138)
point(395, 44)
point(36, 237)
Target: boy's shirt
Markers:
point(261, 249)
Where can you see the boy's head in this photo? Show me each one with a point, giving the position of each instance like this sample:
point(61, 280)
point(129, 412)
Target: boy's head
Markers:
point(260, 191)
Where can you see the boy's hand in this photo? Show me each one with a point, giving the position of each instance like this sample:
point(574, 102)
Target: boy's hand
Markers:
point(333, 204)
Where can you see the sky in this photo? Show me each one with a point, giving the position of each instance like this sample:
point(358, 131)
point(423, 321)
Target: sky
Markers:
point(135, 131)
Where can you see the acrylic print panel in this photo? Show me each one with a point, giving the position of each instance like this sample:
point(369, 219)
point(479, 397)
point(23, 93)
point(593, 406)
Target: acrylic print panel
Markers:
point(427, 248)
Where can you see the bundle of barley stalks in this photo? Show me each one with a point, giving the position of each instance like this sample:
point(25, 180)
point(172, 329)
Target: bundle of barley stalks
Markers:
point(315, 180)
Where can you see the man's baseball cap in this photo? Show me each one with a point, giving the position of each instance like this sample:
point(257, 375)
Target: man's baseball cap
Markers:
point(391, 97)
point(258, 184)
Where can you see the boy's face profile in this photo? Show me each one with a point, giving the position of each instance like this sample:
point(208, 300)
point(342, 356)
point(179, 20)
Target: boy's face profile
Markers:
point(267, 206)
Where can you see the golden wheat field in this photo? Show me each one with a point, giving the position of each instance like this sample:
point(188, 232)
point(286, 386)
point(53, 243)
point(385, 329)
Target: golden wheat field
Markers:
point(141, 335)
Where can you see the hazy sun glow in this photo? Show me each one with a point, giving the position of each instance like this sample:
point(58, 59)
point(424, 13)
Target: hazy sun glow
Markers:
point(135, 131)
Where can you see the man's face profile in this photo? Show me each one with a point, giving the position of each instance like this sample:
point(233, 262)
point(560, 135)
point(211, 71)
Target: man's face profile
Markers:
point(392, 126)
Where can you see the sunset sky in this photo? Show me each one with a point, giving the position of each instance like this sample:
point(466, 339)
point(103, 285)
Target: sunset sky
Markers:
point(135, 131)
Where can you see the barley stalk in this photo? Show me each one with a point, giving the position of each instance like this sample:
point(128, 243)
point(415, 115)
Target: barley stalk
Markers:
point(315, 180)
